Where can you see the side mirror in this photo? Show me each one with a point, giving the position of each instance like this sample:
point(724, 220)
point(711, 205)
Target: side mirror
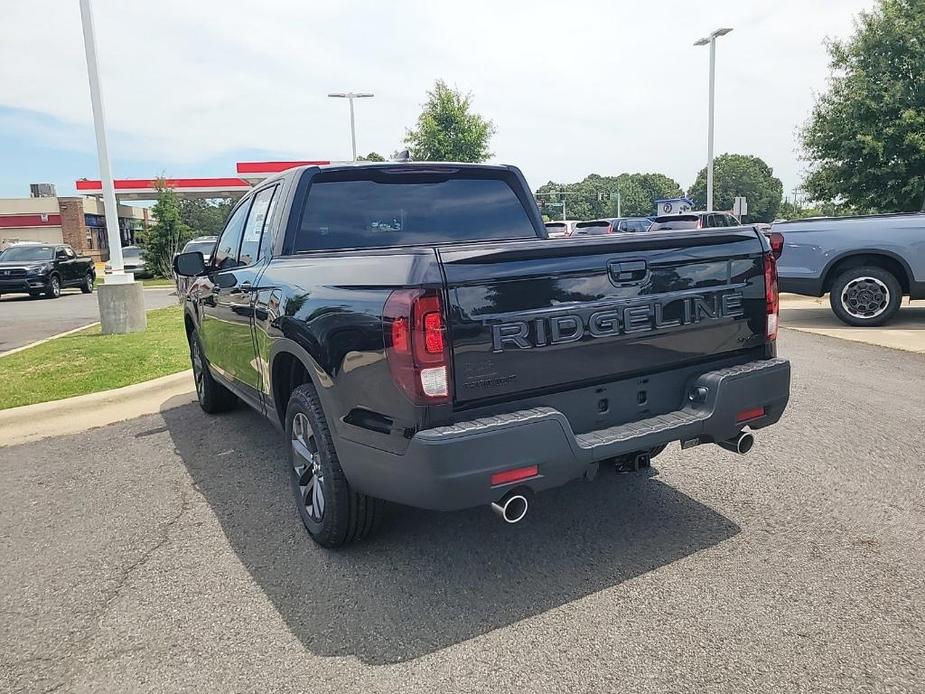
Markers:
point(189, 264)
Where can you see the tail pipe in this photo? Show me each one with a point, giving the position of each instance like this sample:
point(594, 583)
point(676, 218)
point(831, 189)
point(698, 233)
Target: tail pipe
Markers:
point(512, 507)
point(742, 443)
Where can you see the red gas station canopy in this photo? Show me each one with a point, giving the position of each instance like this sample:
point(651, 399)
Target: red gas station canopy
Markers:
point(146, 188)
point(250, 172)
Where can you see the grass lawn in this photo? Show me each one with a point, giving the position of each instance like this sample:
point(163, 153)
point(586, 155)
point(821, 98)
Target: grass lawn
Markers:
point(87, 362)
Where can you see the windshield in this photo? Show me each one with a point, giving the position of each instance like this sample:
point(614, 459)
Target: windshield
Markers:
point(20, 253)
point(204, 247)
point(131, 252)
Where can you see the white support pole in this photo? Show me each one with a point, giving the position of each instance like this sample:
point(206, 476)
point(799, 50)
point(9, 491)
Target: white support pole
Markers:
point(710, 125)
point(353, 130)
point(118, 275)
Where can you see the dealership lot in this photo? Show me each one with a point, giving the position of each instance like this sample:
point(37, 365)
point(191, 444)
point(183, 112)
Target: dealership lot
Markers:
point(164, 553)
point(24, 320)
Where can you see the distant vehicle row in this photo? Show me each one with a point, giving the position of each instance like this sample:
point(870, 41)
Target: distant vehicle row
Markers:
point(614, 225)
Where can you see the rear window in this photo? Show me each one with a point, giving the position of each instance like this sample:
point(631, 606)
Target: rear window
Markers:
point(676, 222)
point(555, 225)
point(592, 228)
point(204, 247)
point(388, 208)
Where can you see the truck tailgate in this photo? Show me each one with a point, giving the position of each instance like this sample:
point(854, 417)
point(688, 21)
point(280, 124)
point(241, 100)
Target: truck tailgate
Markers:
point(534, 316)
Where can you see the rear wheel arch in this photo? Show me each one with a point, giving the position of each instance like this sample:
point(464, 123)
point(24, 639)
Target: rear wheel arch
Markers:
point(289, 369)
point(887, 261)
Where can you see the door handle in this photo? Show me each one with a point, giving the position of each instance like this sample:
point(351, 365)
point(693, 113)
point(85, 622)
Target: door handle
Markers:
point(245, 287)
point(628, 270)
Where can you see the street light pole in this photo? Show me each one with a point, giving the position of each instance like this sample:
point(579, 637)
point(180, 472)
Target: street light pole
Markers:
point(118, 275)
point(350, 96)
point(120, 298)
point(711, 39)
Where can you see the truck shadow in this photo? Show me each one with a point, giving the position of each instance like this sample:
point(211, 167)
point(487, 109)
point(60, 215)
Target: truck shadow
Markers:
point(430, 580)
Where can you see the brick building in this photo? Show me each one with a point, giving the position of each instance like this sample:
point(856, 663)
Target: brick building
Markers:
point(77, 221)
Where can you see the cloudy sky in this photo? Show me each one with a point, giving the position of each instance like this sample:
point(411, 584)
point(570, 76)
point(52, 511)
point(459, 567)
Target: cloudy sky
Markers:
point(191, 86)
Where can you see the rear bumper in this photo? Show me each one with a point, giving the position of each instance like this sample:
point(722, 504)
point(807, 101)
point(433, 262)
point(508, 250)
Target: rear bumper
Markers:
point(450, 467)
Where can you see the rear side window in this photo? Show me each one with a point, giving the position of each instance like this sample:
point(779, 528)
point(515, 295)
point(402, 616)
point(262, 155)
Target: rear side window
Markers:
point(376, 209)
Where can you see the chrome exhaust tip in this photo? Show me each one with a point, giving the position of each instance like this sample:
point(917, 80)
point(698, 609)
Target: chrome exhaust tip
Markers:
point(740, 444)
point(512, 507)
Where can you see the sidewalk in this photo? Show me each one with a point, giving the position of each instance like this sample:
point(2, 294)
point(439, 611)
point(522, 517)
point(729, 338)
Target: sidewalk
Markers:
point(59, 417)
point(814, 315)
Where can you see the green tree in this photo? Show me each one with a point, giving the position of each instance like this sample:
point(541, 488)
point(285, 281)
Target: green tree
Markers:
point(167, 235)
point(596, 196)
point(865, 139)
point(372, 156)
point(447, 130)
point(205, 217)
point(740, 174)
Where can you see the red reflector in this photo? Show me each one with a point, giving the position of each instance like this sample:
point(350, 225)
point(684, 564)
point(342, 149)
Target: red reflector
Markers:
point(518, 473)
point(753, 413)
point(433, 333)
point(400, 336)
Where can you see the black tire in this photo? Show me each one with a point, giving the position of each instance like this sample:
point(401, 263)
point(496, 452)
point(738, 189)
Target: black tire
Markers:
point(865, 296)
point(87, 286)
point(53, 289)
point(213, 396)
point(344, 515)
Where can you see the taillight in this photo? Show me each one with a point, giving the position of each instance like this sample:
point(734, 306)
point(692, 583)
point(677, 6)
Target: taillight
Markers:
point(416, 346)
point(776, 240)
point(771, 295)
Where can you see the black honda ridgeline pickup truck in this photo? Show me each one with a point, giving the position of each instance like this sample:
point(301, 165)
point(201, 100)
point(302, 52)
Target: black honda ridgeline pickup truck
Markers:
point(419, 339)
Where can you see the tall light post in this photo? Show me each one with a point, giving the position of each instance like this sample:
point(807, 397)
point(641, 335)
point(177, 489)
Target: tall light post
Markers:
point(350, 96)
point(120, 298)
point(711, 39)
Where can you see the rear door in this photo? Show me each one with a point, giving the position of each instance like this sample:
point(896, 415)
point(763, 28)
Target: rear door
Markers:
point(525, 319)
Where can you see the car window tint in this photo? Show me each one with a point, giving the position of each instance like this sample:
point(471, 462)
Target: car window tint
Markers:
point(256, 221)
point(383, 208)
point(226, 253)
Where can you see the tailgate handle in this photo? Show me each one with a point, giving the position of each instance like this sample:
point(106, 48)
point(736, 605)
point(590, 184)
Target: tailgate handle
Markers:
point(627, 270)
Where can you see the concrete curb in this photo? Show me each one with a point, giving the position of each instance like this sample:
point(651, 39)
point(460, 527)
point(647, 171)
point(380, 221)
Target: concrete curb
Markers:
point(60, 417)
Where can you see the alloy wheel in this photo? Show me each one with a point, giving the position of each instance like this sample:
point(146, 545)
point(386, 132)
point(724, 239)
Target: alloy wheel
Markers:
point(865, 297)
point(198, 371)
point(306, 466)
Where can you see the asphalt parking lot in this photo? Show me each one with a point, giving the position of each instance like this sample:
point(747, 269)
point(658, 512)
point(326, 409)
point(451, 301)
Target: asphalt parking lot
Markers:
point(164, 553)
point(24, 320)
